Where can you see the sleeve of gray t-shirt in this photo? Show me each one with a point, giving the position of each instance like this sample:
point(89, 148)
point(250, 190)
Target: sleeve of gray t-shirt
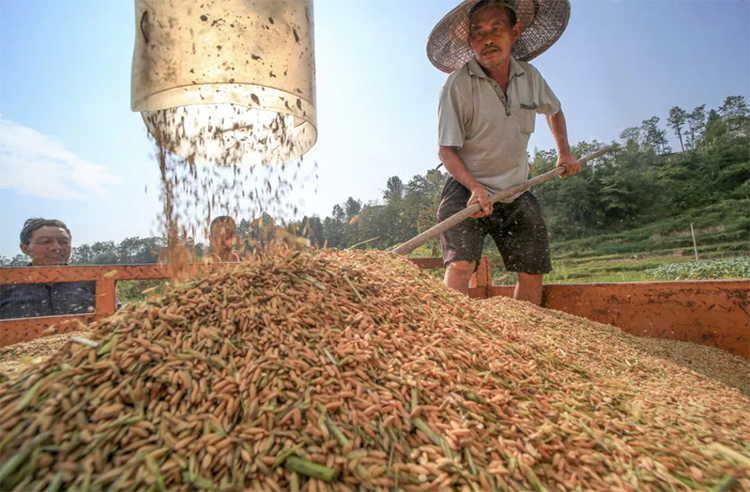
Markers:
point(548, 102)
point(451, 116)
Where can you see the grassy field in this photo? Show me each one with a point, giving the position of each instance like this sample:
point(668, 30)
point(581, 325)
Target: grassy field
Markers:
point(722, 232)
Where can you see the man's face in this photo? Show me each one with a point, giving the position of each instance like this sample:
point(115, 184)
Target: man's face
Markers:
point(491, 36)
point(49, 245)
point(223, 237)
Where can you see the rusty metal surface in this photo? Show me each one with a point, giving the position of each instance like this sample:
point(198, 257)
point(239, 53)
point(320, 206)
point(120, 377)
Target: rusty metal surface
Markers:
point(710, 312)
point(714, 313)
point(43, 275)
point(106, 298)
point(106, 277)
point(503, 290)
point(480, 286)
point(36, 275)
point(23, 330)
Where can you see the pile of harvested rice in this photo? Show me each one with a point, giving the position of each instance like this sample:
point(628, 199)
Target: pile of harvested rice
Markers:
point(15, 356)
point(715, 363)
point(731, 370)
point(323, 371)
point(572, 332)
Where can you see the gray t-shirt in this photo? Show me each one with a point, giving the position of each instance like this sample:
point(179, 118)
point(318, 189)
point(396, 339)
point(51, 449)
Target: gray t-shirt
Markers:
point(490, 129)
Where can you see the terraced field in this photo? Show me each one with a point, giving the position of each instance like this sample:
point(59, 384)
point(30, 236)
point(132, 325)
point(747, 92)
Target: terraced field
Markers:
point(645, 254)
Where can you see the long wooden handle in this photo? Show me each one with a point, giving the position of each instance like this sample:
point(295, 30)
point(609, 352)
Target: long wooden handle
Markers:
point(464, 214)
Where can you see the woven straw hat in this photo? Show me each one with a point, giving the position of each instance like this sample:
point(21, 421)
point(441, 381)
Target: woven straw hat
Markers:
point(542, 24)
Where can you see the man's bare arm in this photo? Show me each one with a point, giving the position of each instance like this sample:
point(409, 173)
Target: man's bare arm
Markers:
point(456, 167)
point(559, 130)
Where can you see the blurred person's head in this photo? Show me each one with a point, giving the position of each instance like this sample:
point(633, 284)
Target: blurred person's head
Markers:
point(46, 241)
point(223, 234)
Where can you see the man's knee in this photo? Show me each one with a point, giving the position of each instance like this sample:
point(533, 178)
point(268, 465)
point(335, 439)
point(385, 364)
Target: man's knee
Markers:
point(529, 278)
point(458, 274)
point(462, 268)
point(529, 288)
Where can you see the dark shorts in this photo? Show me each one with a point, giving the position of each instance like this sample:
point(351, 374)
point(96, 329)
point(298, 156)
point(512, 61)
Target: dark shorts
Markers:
point(517, 228)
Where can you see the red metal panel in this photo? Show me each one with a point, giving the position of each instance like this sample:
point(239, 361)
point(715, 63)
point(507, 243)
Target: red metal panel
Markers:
point(106, 298)
point(42, 275)
point(503, 290)
point(23, 330)
point(105, 276)
point(484, 273)
point(715, 313)
point(482, 278)
point(478, 292)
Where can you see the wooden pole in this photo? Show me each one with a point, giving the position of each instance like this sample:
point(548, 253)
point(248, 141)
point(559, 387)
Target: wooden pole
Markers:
point(464, 214)
point(695, 245)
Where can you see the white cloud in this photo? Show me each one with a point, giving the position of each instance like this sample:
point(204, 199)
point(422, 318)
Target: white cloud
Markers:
point(36, 164)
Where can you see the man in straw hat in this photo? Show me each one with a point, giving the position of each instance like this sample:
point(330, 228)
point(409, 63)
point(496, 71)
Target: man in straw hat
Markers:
point(487, 113)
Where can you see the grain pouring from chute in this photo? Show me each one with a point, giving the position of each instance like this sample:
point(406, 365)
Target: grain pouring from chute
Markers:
point(227, 93)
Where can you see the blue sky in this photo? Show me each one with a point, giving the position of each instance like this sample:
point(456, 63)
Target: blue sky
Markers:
point(70, 148)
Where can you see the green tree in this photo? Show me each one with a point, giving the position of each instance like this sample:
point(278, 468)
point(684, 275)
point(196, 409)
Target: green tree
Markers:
point(631, 136)
point(653, 137)
point(17, 261)
point(333, 228)
point(99, 253)
point(136, 250)
point(312, 228)
point(734, 112)
point(716, 128)
point(676, 121)
point(423, 195)
point(696, 123)
point(338, 213)
point(394, 189)
point(352, 207)
point(317, 232)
